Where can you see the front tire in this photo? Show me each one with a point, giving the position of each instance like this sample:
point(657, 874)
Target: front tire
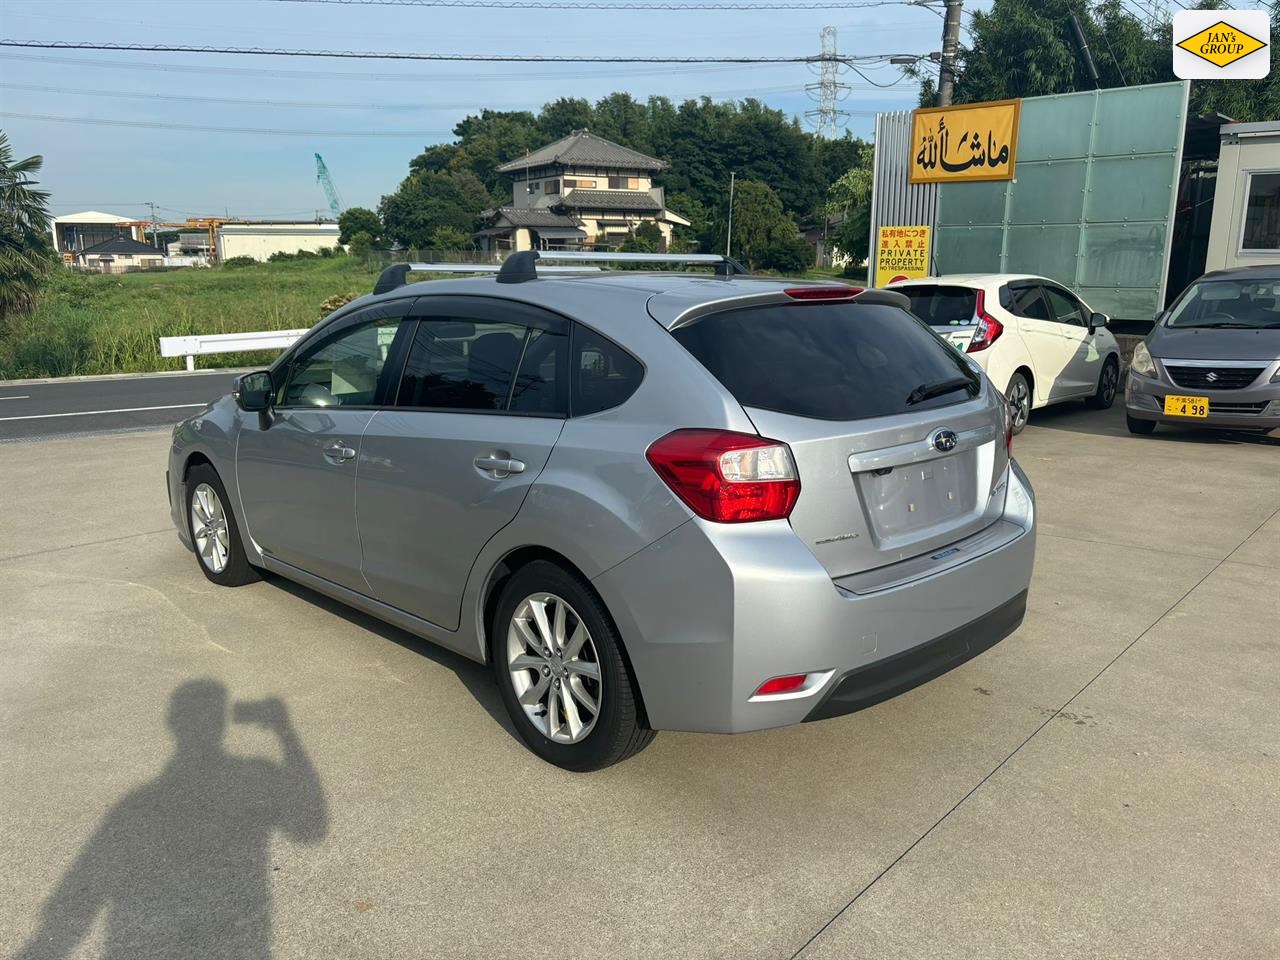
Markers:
point(214, 534)
point(558, 662)
point(1143, 428)
point(1108, 382)
point(1018, 395)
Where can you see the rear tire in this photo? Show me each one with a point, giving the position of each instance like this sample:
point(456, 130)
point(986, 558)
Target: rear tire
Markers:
point(1108, 383)
point(215, 537)
point(556, 653)
point(1143, 428)
point(1018, 395)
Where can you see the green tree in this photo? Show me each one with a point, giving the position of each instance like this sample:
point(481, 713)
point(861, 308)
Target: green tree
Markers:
point(760, 224)
point(647, 238)
point(450, 238)
point(561, 117)
point(359, 220)
point(26, 255)
point(849, 206)
point(361, 246)
point(427, 201)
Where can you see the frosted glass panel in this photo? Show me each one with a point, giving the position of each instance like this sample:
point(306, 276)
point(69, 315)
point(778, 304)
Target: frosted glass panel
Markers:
point(1051, 128)
point(967, 249)
point(1123, 254)
point(1048, 251)
point(1138, 120)
point(1126, 302)
point(1130, 188)
point(1048, 192)
point(963, 203)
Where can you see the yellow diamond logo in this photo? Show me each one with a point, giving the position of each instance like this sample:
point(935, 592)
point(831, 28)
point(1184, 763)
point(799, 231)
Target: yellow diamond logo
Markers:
point(1221, 44)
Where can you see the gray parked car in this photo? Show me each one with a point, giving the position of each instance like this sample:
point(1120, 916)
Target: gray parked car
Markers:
point(1213, 358)
point(650, 500)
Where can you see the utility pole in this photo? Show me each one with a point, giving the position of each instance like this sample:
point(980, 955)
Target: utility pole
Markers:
point(728, 243)
point(950, 47)
point(155, 228)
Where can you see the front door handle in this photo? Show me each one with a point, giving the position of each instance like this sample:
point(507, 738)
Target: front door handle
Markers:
point(339, 452)
point(500, 467)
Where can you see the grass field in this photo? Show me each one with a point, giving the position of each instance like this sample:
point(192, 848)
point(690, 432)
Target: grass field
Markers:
point(91, 323)
point(86, 324)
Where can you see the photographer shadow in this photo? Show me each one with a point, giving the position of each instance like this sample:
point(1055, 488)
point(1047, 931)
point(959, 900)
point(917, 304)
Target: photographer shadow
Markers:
point(181, 866)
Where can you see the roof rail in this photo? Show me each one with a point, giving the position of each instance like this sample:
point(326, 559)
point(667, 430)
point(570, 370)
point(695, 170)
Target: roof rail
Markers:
point(520, 267)
point(397, 275)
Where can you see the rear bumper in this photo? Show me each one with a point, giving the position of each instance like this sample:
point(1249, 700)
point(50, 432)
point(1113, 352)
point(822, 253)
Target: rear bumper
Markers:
point(867, 686)
point(711, 611)
point(1255, 406)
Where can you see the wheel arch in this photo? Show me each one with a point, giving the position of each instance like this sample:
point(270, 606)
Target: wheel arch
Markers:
point(1029, 374)
point(506, 567)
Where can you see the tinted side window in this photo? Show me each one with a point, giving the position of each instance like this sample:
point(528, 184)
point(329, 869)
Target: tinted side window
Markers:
point(1027, 302)
point(472, 365)
point(1065, 308)
point(343, 371)
point(828, 361)
point(604, 375)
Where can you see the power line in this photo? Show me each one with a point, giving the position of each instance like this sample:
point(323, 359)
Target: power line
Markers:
point(438, 57)
point(262, 131)
point(237, 101)
point(339, 75)
point(617, 4)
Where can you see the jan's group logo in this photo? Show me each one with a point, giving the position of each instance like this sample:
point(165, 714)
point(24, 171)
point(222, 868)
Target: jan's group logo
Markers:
point(1221, 44)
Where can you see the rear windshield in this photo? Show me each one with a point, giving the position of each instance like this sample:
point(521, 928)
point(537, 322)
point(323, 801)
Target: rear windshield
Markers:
point(942, 306)
point(828, 361)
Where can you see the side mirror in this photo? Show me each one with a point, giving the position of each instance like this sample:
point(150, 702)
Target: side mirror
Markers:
point(1097, 320)
point(254, 391)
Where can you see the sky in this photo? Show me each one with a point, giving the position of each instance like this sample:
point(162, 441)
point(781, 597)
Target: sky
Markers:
point(256, 170)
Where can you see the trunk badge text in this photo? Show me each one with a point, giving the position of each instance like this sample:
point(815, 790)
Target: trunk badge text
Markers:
point(944, 441)
point(838, 538)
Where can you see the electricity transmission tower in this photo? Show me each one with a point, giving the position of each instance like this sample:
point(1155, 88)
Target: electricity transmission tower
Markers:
point(828, 91)
point(330, 191)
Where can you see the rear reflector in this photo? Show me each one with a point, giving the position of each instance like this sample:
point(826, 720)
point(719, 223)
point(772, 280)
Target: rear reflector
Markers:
point(726, 476)
point(823, 293)
point(782, 684)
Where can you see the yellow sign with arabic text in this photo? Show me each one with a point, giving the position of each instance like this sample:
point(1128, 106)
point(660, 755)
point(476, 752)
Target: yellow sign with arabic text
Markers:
point(902, 254)
point(972, 141)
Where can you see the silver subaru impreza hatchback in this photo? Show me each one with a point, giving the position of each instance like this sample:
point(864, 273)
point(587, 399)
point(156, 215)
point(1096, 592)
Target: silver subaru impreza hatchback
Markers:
point(651, 500)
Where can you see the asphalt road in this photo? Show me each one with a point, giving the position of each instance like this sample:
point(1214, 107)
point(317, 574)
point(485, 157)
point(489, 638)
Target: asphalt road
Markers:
point(1102, 785)
point(54, 408)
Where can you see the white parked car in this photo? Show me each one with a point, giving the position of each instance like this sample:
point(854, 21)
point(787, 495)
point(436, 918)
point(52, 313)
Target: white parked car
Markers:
point(1036, 340)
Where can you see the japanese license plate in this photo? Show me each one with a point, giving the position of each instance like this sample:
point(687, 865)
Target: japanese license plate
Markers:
point(1179, 406)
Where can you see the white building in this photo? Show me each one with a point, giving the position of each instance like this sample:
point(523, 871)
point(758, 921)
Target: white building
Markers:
point(261, 240)
point(1245, 229)
point(77, 232)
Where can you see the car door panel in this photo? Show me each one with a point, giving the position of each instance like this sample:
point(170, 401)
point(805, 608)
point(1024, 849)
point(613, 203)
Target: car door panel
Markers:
point(480, 404)
point(296, 464)
point(1080, 376)
point(1050, 353)
point(425, 508)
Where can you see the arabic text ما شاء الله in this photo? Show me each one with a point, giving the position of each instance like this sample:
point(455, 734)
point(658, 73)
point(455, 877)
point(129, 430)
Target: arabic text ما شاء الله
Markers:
point(933, 150)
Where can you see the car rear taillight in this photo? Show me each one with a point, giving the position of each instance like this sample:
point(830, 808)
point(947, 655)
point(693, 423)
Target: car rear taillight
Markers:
point(823, 293)
point(726, 476)
point(989, 328)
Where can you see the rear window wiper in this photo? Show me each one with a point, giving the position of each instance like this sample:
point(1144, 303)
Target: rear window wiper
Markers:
point(927, 391)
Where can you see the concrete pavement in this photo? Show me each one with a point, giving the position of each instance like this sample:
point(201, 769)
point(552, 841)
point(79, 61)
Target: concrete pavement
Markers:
point(1101, 784)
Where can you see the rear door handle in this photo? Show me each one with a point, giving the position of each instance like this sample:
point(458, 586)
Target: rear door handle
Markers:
point(339, 452)
point(499, 466)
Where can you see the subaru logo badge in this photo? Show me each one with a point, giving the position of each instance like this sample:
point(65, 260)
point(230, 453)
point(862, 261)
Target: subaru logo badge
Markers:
point(944, 440)
point(1211, 376)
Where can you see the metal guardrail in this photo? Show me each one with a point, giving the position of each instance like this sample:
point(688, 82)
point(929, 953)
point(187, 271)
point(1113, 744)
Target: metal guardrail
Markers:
point(205, 343)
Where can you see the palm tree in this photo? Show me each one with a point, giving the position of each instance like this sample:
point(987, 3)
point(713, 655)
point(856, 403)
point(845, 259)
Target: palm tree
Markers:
point(25, 254)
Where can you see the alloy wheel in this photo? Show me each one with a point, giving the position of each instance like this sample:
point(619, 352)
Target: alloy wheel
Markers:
point(1019, 402)
point(1110, 379)
point(209, 528)
point(555, 668)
